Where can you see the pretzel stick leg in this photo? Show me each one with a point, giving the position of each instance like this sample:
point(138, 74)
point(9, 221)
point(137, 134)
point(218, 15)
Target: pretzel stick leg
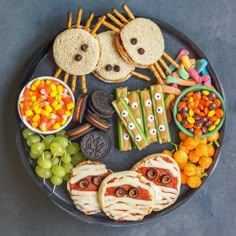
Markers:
point(66, 77)
point(83, 84)
point(154, 71)
point(69, 21)
point(129, 13)
point(73, 84)
point(115, 20)
point(165, 66)
point(98, 25)
point(140, 76)
point(111, 27)
point(120, 16)
point(89, 21)
point(58, 72)
point(79, 16)
point(160, 71)
point(168, 58)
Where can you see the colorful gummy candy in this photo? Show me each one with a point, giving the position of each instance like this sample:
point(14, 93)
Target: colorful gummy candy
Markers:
point(46, 105)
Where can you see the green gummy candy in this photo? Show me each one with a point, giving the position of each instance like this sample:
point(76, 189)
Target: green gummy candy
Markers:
point(172, 79)
point(183, 73)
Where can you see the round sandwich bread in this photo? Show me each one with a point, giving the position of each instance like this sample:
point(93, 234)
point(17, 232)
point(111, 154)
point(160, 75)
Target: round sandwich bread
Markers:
point(112, 68)
point(76, 51)
point(140, 42)
point(163, 174)
point(126, 196)
point(84, 183)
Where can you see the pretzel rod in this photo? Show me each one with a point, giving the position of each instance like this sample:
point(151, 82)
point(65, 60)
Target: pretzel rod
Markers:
point(111, 27)
point(120, 16)
point(83, 84)
point(66, 77)
point(161, 72)
point(58, 72)
point(165, 65)
point(154, 71)
point(140, 76)
point(97, 26)
point(129, 13)
point(89, 21)
point(168, 58)
point(115, 20)
point(73, 84)
point(69, 21)
point(79, 16)
point(171, 90)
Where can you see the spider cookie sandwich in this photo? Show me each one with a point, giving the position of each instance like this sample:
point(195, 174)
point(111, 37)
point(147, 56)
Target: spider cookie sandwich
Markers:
point(84, 183)
point(164, 176)
point(79, 131)
point(80, 108)
point(126, 196)
point(112, 68)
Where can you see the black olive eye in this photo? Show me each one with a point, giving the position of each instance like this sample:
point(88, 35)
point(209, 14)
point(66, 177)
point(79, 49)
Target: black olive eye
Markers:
point(166, 179)
point(120, 192)
point(133, 192)
point(96, 180)
point(83, 183)
point(151, 173)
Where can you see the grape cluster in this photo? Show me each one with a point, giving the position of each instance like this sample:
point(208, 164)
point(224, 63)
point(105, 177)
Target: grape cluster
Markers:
point(55, 155)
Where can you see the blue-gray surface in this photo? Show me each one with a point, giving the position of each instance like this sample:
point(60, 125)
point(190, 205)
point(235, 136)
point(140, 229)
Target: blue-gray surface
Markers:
point(25, 26)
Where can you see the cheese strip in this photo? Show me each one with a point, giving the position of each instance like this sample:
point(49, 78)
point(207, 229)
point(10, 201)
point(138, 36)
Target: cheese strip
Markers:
point(160, 114)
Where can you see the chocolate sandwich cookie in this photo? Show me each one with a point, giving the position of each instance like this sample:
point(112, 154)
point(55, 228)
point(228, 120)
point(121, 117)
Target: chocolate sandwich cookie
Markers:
point(97, 121)
point(80, 108)
point(95, 145)
point(79, 131)
point(101, 101)
point(91, 108)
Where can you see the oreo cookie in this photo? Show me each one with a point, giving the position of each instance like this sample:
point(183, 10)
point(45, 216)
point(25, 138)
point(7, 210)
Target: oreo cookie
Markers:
point(79, 131)
point(97, 121)
point(101, 102)
point(95, 145)
point(91, 108)
point(80, 108)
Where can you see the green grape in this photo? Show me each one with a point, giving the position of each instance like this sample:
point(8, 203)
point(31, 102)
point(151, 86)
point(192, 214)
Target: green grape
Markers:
point(55, 180)
point(66, 177)
point(61, 133)
point(37, 148)
point(66, 158)
point(73, 148)
point(61, 140)
point(58, 171)
point(33, 139)
point(55, 161)
point(68, 167)
point(47, 154)
point(48, 140)
point(34, 156)
point(57, 149)
point(44, 163)
point(43, 173)
point(77, 158)
point(27, 132)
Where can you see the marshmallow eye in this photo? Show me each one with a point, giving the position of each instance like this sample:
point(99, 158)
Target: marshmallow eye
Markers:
point(148, 103)
point(157, 96)
point(131, 126)
point(153, 131)
point(159, 109)
point(162, 128)
point(138, 138)
point(126, 100)
point(134, 105)
point(126, 137)
point(124, 113)
point(151, 118)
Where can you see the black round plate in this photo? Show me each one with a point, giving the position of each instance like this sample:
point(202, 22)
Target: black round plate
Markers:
point(43, 65)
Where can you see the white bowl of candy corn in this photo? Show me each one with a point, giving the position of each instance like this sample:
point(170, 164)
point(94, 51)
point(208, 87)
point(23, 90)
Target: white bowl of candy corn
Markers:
point(46, 105)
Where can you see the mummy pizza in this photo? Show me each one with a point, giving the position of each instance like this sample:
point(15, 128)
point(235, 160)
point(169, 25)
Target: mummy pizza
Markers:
point(140, 42)
point(148, 117)
point(84, 183)
point(76, 50)
point(126, 196)
point(160, 114)
point(163, 174)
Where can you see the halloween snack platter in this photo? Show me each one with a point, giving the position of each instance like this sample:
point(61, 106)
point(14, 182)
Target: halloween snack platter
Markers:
point(122, 158)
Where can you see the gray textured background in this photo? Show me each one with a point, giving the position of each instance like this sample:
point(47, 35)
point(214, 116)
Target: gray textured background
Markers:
point(25, 26)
